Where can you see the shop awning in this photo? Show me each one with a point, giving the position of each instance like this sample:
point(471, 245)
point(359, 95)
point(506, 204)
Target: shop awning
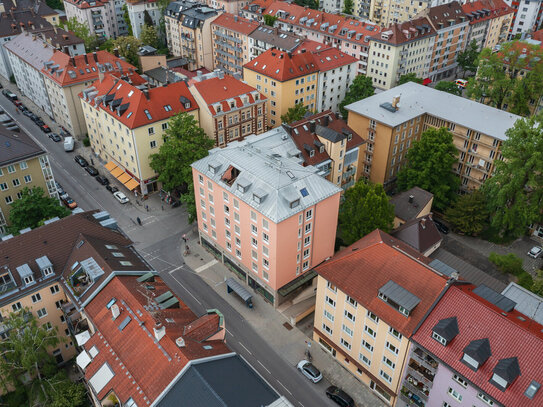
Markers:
point(131, 184)
point(297, 282)
point(116, 172)
point(110, 166)
point(124, 177)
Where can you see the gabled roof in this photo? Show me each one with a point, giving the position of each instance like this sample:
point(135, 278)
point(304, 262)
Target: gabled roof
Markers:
point(421, 233)
point(406, 210)
point(235, 23)
point(331, 58)
point(446, 15)
point(283, 66)
point(482, 10)
point(362, 269)
point(408, 31)
point(84, 4)
point(509, 334)
point(538, 35)
point(17, 146)
point(279, 39)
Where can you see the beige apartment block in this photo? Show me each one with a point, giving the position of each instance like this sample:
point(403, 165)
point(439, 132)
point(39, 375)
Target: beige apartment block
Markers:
point(392, 120)
point(489, 22)
point(388, 12)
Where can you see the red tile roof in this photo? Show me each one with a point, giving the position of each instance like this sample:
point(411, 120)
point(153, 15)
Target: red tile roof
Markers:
point(441, 16)
point(142, 368)
point(510, 335)
point(331, 58)
point(400, 33)
point(83, 68)
point(131, 103)
point(82, 4)
point(361, 269)
point(496, 8)
point(222, 90)
point(235, 23)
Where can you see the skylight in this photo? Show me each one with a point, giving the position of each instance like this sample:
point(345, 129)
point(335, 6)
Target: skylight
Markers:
point(129, 114)
point(304, 192)
point(148, 114)
point(130, 93)
point(167, 108)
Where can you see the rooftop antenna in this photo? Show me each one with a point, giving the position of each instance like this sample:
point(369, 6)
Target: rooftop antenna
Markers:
point(152, 306)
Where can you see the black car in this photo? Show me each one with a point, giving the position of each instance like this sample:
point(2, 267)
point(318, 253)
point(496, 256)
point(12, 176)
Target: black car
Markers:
point(40, 122)
point(81, 161)
point(101, 179)
point(28, 113)
point(441, 227)
point(55, 137)
point(112, 188)
point(91, 170)
point(339, 396)
point(35, 118)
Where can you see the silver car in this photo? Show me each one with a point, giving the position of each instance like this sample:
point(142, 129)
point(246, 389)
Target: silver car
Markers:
point(535, 252)
point(309, 371)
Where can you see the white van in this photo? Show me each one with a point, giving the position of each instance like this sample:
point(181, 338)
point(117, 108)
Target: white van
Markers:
point(69, 144)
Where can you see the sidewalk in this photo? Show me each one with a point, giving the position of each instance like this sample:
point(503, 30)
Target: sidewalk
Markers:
point(268, 322)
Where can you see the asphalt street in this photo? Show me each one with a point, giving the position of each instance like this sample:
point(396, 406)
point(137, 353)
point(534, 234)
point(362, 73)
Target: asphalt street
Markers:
point(159, 241)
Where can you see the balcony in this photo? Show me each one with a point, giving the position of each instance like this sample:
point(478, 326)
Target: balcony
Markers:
point(410, 399)
point(424, 360)
point(7, 287)
point(421, 373)
point(350, 172)
point(227, 37)
point(416, 388)
point(75, 321)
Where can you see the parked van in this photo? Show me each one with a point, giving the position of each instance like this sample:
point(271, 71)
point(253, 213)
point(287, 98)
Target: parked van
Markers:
point(69, 144)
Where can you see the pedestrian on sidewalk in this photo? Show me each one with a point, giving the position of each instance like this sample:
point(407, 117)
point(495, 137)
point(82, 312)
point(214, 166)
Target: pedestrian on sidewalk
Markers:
point(147, 208)
point(184, 238)
point(92, 161)
point(139, 220)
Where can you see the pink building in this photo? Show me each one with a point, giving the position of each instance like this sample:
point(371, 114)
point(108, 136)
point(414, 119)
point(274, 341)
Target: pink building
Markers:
point(267, 217)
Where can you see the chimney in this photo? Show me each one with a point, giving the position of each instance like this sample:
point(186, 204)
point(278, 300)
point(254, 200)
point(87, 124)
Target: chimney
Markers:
point(325, 120)
point(95, 56)
point(411, 198)
point(396, 102)
point(312, 125)
point(86, 59)
point(423, 223)
point(100, 75)
point(115, 311)
point(72, 61)
point(236, 19)
point(146, 91)
point(116, 52)
point(159, 330)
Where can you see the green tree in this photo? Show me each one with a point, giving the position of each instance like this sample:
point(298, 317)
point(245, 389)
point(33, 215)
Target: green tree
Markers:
point(361, 88)
point(65, 393)
point(82, 31)
point(24, 351)
point(467, 59)
point(409, 77)
point(449, 87)
point(128, 47)
point(107, 45)
point(313, 4)
point(55, 4)
point(468, 214)
point(294, 113)
point(126, 18)
point(186, 142)
point(508, 263)
point(270, 20)
point(348, 7)
point(537, 286)
point(429, 166)
point(147, 20)
point(515, 191)
point(149, 36)
point(366, 207)
point(33, 208)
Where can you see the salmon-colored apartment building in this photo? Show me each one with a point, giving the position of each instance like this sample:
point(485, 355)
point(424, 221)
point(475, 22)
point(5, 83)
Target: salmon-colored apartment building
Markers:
point(268, 218)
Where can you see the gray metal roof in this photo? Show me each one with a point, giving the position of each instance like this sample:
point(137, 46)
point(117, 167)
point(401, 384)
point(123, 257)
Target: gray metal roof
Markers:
point(222, 382)
point(499, 300)
point(526, 301)
point(238, 289)
point(43, 262)
point(34, 52)
point(400, 295)
point(24, 271)
point(266, 164)
point(447, 328)
point(479, 350)
point(416, 100)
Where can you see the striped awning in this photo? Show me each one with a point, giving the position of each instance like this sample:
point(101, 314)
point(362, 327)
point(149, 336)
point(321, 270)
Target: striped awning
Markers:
point(124, 178)
point(116, 172)
point(110, 166)
point(131, 184)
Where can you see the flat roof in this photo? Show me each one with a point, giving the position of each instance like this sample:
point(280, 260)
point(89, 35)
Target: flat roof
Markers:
point(416, 100)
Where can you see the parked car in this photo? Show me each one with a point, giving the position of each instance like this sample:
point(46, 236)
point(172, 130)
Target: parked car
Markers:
point(535, 252)
point(40, 122)
point(28, 113)
point(69, 202)
point(81, 161)
point(461, 83)
point(339, 396)
point(18, 103)
point(119, 196)
point(91, 170)
point(10, 95)
point(64, 133)
point(441, 227)
point(55, 137)
point(33, 117)
point(102, 180)
point(45, 128)
point(309, 371)
point(60, 190)
point(112, 188)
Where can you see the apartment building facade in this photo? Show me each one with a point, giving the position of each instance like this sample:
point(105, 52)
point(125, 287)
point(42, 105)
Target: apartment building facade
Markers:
point(27, 55)
point(229, 109)
point(489, 22)
point(327, 143)
point(230, 42)
point(401, 49)
point(527, 16)
point(189, 33)
point(103, 17)
point(23, 164)
point(265, 215)
point(264, 37)
point(388, 12)
point(126, 122)
point(391, 123)
point(136, 12)
point(462, 353)
point(65, 77)
point(368, 305)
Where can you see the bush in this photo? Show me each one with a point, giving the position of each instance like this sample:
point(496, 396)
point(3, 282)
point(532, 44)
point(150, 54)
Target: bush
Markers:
point(507, 263)
point(525, 280)
point(86, 142)
point(16, 398)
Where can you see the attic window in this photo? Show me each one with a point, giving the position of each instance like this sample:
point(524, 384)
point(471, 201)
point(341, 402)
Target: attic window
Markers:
point(304, 192)
point(126, 263)
point(311, 153)
point(111, 247)
point(130, 93)
point(129, 114)
point(321, 149)
point(349, 137)
point(47, 271)
point(532, 389)
point(445, 330)
point(167, 108)
point(295, 203)
point(81, 243)
point(398, 297)
point(29, 280)
point(148, 114)
point(505, 373)
point(439, 338)
point(117, 254)
point(187, 105)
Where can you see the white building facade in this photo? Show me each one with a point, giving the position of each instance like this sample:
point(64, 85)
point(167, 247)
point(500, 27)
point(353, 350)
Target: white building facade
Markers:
point(136, 12)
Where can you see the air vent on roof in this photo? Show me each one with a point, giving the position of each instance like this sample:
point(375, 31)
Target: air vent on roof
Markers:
point(180, 342)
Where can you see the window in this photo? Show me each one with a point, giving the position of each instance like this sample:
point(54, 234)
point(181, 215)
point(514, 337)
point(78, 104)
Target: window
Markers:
point(385, 376)
point(352, 301)
point(329, 315)
point(347, 330)
point(253, 216)
point(330, 301)
point(265, 224)
point(331, 287)
point(151, 130)
point(485, 398)
point(308, 228)
point(345, 344)
point(238, 254)
point(28, 178)
point(389, 362)
point(460, 380)
point(500, 381)
point(16, 307)
point(349, 316)
point(373, 317)
point(9, 199)
point(306, 253)
point(36, 298)
point(392, 348)
point(254, 229)
point(164, 126)
point(23, 165)
point(327, 329)
point(11, 169)
point(58, 304)
point(16, 182)
point(370, 331)
point(152, 144)
point(54, 289)
point(3, 186)
point(395, 333)
point(308, 214)
point(41, 313)
point(454, 394)
point(367, 345)
point(305, 265)
point(254, 242)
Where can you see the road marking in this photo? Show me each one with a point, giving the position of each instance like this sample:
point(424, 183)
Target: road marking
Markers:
point(206, 266)
point(301, 404)
point(185, 288)
point(284, 387)
point(231, 334)
point(263, 367)
point(175, 269)
point(245, 348)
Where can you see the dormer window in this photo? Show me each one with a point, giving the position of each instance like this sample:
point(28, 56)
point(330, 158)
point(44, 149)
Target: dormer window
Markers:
point(321, 149)
point(398, 297)
point(445, 330)
point(28, 280)
point(439, 338)
point(295, 203)
point(476, 353)
point(505, 373)
point(312, 153)
point(187, 105)
point(47, 271)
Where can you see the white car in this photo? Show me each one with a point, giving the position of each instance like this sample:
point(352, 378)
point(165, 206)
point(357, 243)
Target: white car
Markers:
point(535, 252)
point(309, 371)
point(119, 196)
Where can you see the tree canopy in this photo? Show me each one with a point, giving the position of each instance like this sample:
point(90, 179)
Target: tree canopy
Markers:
point(469, 214)
point(270, 20)
point(91, 41)
point(515, 191)
point(149, 36)
point(429, 166)
point(467, 59)
point(185, 142)
point(348, 7)
point(366, 207)
point(314, 4)
point(361, 88)
point(33, 208)
point(126, 18)
point(409, 77)
point(128, 47)
point(449, 87)
point(55, 4)
point(147, 20)
point(294, 113)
